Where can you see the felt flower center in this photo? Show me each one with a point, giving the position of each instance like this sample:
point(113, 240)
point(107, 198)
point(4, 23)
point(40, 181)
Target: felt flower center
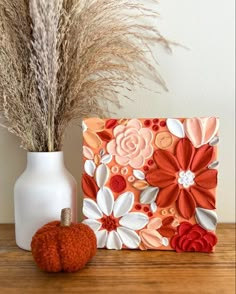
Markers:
point(186, 178)
point(109, 223)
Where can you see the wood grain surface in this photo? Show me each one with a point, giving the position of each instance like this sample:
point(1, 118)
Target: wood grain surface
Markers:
point(124, 271)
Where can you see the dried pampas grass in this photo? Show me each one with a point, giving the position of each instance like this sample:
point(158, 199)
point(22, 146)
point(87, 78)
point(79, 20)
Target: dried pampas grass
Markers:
point(67, 59)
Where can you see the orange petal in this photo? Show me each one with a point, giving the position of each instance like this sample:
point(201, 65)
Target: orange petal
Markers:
point(89, 186)
point(203, 197)
point(167, 232)
point(207, 179)
point(168, 195)
point(184, 153)
point(151, 238)
point(95, 124)
point(140, 185)
point(159, 178)
point(185, 204)
point(105, 136)
point(202, 158)
point(166, 161)
point(92, 139)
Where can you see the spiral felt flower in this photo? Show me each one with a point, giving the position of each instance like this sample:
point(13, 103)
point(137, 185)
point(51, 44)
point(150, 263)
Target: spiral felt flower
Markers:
point(193, 238)
point(184, 178)
point(131, 144)
point(113, 223)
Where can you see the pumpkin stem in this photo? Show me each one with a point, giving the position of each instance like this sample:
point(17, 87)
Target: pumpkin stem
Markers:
point(66, 217)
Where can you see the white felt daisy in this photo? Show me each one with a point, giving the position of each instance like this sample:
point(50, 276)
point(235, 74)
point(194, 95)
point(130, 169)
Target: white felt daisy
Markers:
point(112, 221)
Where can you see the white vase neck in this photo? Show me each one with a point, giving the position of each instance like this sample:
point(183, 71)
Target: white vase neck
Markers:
point(45, 160)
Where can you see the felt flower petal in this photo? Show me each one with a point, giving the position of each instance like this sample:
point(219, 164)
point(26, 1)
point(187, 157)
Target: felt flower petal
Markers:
point(155, 223)
point(202, 158)
point(92, 139)
point(134, 221)
point(160, 178)
point(101, 238)
point(91, 210)
point(166, 161)
point(203, 197)
point(194, 131)
point(138, 174)
point(184, 153)
point(95, 124)
point(137, 162)
point(113, 241)
point(119, 130)
point(129, 238)
point(153, 207)
point(93, 224)
point(106, 159)
point(102, 175)
point(207, 179)
point(211, 127)
point(206, 218)
point(89, 167)
point(140, 185)
point(105, 200)
point(186, 204)
point(176, 127)
point(89, 186)
point(214, 141)
point(213, 165)
point(168, 195)
point(151, 238)
point(123, 204)
point(135, 123)
point(88, 153)
point(122, 160)
point(149, 195)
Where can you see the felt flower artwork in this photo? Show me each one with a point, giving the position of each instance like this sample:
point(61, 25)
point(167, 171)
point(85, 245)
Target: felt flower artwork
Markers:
point(150, 184)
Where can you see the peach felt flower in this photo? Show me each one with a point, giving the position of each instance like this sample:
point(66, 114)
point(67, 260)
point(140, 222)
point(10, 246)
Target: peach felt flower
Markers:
point(131, 144)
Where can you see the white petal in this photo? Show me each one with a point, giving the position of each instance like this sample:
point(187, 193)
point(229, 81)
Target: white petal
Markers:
point(134, 221)
point(213, 165)
point(214, 141)
point(175, 127)
point(129, 238)
point(165, 241)
point(88, 153)
point(206, 218)
point(101, 238)
point(84, 127)
point(91, 210)
point(139, 174)
point(153, 207)
point(123, 204)
point(106, 159)
point(89, 167)
point(105, 200)
point(93, 224)
point(149, 195)
point(113, 241)
point(102, 175)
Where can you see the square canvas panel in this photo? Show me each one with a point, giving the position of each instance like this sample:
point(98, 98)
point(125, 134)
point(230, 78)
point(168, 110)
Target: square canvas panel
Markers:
point(151, 183)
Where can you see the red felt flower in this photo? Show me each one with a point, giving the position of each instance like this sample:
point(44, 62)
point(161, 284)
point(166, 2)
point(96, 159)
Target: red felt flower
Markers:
point(184, 178)
point(193, 238)
point(118, 183)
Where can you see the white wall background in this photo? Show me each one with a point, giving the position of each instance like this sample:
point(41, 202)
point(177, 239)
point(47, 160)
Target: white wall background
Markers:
point(200, 82)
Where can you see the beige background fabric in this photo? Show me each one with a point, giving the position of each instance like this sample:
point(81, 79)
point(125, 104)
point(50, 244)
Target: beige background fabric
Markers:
point(200, 82)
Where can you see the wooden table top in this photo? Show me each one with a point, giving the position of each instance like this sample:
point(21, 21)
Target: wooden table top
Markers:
point(124, 271)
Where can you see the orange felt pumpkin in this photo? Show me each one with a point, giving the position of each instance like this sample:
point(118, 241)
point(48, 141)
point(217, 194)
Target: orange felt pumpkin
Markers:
point(63, 246)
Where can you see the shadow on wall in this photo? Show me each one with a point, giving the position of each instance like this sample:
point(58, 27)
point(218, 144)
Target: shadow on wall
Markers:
point(12, 163)
point(73, 160)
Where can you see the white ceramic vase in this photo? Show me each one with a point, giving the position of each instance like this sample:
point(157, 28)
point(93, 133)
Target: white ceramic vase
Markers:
point(44, 188)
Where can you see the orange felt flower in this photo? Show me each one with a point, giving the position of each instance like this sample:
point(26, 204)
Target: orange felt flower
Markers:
point(184, 178)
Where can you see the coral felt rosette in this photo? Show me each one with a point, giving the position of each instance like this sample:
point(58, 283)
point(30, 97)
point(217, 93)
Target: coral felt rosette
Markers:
point(151, 183)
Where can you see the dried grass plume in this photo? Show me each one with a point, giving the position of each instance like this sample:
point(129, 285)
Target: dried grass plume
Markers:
point(66, 59)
